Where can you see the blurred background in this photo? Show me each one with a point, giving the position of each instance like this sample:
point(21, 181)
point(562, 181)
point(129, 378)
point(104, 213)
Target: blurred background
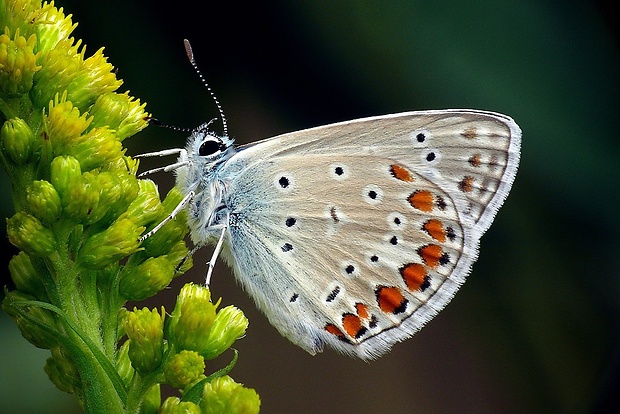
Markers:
point(536, 327)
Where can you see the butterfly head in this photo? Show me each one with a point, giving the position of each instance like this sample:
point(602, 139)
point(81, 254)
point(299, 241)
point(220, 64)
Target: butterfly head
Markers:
point(205, 147)
point(205, 151)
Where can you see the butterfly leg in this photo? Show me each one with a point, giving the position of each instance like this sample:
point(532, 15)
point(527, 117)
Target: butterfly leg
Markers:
point(172, 215)
point(182, 160)
point(187, 256)
point(167, 168)
point(163, 153)
point(216, 253)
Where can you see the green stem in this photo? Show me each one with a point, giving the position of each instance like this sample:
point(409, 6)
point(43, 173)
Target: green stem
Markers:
point(109, 305)
point(75, 288)
point(99, 392)
point(102, 389)
point(138, 389)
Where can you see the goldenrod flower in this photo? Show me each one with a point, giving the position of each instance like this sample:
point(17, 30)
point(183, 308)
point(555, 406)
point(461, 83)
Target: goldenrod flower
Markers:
point(80, 213)
point(146, 279)
point(191, 320)
point(145, 329)
point(18, 63)
point(229, 325)
point(27, 233)
point(174, 405)
point(43, 201)
point(184, 369)
point(26, 278)
point(224, 396)
point(17, 140)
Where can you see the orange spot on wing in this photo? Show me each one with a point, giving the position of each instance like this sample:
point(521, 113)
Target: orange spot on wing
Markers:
point(470, 133)
point(421, 200)
point(466, 185)
point(362, 310)
point(415, 276)
point(435, 229)
point(431, 254)
point(474, 160)
point(352, 324)
point(391, 299)
point(401, 173)
point(334, 330)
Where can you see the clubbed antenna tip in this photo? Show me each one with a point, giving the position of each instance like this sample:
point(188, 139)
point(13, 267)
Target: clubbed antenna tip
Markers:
point(190, 56)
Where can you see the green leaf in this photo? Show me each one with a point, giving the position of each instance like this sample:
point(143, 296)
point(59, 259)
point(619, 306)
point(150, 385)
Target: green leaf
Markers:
point(194, 394)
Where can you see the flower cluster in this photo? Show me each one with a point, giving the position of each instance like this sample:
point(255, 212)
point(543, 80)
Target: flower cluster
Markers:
point(175, 352)
point(79, 214)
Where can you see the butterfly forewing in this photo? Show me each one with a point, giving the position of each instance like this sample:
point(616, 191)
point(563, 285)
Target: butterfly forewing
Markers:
point(356, 234)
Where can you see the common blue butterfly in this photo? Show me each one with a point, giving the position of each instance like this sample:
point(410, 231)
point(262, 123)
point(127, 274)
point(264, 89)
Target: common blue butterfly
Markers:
point(355, 234)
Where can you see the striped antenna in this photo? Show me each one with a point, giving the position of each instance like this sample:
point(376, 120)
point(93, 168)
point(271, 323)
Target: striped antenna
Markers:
point(158, 123)
point(190, 56)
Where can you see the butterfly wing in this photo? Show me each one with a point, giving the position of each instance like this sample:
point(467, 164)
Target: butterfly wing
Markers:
point(356, 234)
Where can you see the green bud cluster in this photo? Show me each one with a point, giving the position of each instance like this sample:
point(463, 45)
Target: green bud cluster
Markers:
point(197, 325)
point(145, 330)
point(178, 349)
point(220, 396)
point(223, 395)
point(80, 213)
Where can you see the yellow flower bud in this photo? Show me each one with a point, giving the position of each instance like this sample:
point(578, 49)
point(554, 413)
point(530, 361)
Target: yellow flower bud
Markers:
point(17, 64)
point(25, 277)
point(97, 148)
point(184, 369)
point(17, 141)
point(145, 330)
point(64, 172)
point(65, 69)
point(109, 246)
point(120, 112)
point(64, 124)
point(62, 372)
point(25, 317)
point(128, 188)
point(52, 26)
point(95, 77)
point(178, 256)
point(223, 395)
point(95, 196)
point(147, 279)
point(229, 325)
point(146, 207)
point(43, 201)
point(108, 190)
point(192, 318)
point(58, 68)
point(174, 405)
point(80, 199)
point(28, 234)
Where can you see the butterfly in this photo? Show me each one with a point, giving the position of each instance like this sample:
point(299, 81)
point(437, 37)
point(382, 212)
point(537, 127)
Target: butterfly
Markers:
point(352, 235)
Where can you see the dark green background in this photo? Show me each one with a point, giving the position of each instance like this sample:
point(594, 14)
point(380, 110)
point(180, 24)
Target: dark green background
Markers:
point(536, 327)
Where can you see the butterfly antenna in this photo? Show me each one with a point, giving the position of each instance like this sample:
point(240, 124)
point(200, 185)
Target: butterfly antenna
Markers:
point(158, 123)
point(190, 56)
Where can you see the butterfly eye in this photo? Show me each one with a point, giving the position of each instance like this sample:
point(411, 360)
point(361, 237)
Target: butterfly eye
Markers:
point(210, 147)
